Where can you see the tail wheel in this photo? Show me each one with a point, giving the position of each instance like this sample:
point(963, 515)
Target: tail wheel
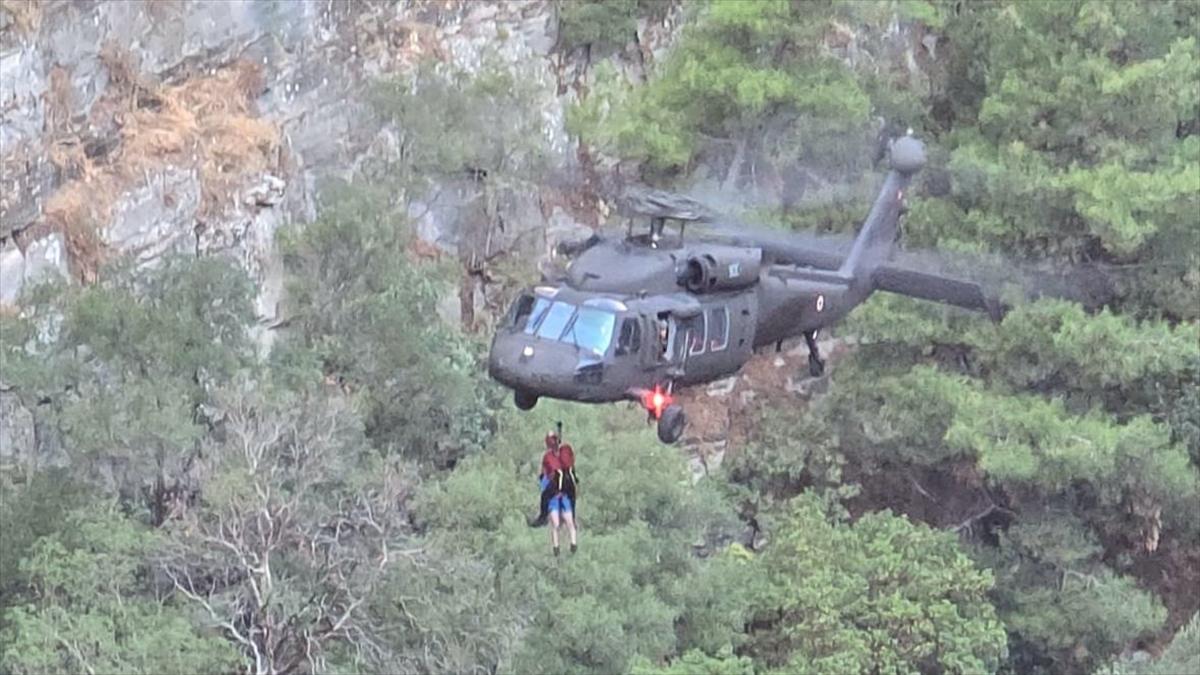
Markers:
point(671, 424)
point(524, 400)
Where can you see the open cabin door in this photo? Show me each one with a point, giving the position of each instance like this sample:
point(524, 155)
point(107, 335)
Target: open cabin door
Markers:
point(675, 338)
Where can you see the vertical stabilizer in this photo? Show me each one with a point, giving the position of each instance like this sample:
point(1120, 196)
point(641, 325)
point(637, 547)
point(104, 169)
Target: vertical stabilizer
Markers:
point(878, 233)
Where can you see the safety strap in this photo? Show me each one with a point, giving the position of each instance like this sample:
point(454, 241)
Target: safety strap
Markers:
point(560, 474)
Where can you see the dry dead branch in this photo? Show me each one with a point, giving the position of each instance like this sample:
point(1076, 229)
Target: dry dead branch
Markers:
point(267, 506)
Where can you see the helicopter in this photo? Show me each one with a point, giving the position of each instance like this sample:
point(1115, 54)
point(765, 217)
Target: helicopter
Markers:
point(637, 319)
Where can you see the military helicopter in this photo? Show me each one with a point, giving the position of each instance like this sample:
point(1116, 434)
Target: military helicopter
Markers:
point(638, 318)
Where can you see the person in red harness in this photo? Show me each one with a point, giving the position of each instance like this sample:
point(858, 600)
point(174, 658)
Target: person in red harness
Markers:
point(557, 481)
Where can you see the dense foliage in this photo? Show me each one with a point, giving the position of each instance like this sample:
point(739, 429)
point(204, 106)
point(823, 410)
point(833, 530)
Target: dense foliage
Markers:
point(966, 497)
point(880, 594)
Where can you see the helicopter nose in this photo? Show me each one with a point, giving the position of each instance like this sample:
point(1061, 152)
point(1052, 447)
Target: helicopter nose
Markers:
point(537, 366)
point(507, 347)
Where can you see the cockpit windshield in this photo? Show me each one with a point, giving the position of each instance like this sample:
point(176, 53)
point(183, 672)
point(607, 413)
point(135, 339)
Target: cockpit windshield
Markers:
point(589, 328)
point(592, 329)
point(555, 320)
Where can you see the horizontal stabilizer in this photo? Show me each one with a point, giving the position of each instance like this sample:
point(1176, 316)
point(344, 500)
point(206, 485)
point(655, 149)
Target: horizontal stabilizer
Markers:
point(961, 293)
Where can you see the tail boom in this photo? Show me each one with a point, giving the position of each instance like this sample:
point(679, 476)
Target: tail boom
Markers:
point(878, 234)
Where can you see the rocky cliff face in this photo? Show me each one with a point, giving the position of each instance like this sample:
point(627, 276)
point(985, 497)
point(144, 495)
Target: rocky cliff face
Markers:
point(202, 127)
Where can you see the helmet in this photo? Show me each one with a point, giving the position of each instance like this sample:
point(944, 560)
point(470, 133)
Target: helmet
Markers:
point(551, 440)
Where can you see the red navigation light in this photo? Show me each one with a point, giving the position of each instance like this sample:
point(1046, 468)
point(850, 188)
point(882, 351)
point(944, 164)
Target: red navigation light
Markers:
point(656, 401)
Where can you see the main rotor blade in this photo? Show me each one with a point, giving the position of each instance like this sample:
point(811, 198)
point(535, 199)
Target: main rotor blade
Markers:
point(806, 249)
point(975, 281)
point(639, 200)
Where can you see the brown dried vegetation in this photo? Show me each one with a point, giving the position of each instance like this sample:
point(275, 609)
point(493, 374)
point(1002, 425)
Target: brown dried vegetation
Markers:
point(207, 123)
point(26, 15)
point(75, 211)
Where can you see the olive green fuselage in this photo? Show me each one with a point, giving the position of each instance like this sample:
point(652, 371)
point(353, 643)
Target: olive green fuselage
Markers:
point(661, 332)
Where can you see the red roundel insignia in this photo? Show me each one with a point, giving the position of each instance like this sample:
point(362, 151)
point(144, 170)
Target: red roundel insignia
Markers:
point(820, 303)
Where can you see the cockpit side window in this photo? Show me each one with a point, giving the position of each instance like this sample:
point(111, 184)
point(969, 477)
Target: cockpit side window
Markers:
point(630, 338)
point(538, 311)
point(521, 310)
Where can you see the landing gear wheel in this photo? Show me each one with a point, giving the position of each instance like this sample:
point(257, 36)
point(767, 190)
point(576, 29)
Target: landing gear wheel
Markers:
point(671, 424)
point(816, 367)
point(524, 400)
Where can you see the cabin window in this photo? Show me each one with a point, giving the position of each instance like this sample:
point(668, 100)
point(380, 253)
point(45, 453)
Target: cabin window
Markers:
point(694, 329)
point(630, 338)
point(665, 333)
point(718, 329)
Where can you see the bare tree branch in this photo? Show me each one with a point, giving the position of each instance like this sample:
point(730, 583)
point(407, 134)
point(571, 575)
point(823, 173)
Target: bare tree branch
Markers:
point(279, 469)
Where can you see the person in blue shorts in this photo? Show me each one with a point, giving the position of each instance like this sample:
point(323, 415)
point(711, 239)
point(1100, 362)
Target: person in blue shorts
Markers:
point(557, 484)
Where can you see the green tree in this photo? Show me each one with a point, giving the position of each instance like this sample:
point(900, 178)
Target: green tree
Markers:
point(1102, 450)
point(94, 608)
point(1181, 656)
point(296, 525)
point(596, 25)
point(881, 594)
point(1059, 600)
point(1024, 469)
point(478, 166)
point(369, 316)
point(741, 71)
point(493, 138)
point(1075, 135)
point(119, 372)
point(468, 174)
point(441, 612)
point(698, 663)
point(32, 507)
point(790, 448)
point(716, 603)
